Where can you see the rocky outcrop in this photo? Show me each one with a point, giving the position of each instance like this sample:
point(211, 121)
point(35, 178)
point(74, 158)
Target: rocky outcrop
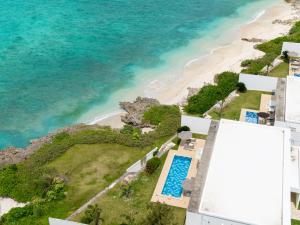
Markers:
point(253, 40)
point(283, 22)
point(12, 155)
point(135, 110)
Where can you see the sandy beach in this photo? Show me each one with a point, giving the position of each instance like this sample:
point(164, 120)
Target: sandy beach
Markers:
point(197, 72)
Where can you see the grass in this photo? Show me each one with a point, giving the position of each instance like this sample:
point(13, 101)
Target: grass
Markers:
point(282, 70)
point(115, 207)
point(88, 169)
point(200, 136)
point(249, 100)
point(295, 222)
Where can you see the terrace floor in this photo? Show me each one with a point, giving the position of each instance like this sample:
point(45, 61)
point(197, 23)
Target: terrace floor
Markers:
point(294, 67)
point(194, 153)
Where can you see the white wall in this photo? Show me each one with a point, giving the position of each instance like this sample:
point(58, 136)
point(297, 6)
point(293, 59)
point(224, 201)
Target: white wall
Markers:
point(201, 219)
point(258, 83)
point(196, 124)
point(139, 165)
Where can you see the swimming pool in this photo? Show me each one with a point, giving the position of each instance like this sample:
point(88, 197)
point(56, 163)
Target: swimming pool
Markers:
point(177, 174)
point(251, 117)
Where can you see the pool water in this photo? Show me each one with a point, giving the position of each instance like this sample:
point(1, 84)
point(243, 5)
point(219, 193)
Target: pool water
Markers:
point(177, 174)
point(251, 117)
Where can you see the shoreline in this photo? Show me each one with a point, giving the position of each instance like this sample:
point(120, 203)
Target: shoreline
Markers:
point(198, 71)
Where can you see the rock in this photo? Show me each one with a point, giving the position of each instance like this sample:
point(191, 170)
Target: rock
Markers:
point(283, 22)
point(13, 155)
point(135, 111)
point(254, 40)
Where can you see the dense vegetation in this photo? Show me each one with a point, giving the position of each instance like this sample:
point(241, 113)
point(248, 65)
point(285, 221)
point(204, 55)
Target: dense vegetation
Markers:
point(272, 49)
point(211, 94)
point(35, 182)
point(158, 114)
point(152, 165)
point(131, 204)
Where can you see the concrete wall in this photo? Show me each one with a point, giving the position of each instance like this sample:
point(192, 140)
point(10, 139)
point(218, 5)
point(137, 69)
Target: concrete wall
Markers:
point(196, 124)
point(139, 165)
point(201, 219)
point(258, 83)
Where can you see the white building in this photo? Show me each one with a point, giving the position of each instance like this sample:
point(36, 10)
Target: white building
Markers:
point(53, 221)
point(244, 177)
point(292, 48)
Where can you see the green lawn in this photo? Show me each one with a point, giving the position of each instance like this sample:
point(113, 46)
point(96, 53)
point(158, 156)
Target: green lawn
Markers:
point(249, 100)
point(88, 169)
point(295, 222)
point(115, 207)
point(282, 70)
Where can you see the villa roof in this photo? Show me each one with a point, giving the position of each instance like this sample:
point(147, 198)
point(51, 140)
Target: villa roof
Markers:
point(292, 109)
point(292, 48)
point(247, 178)
point(53, 221)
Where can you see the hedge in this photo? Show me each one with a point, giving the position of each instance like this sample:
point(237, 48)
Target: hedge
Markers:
point(210, 94)
point(152, 165)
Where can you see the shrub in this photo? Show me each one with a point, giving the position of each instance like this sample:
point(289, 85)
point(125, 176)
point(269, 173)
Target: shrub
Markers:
point(211, 94)
point(155, 153)
point(246, 63)
point(241, 87)
point(285, 56)
point(16, 214)
point(226, 82)
point(152, 165)
point(204, 100)
point(92, 215)
point(126, 191)
point(159, 214)
point(183, 128)
point(156, 114)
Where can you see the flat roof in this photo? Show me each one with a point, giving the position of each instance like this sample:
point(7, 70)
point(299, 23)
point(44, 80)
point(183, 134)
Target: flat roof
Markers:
point(248, 176)
point(53, 221)
point(291, 47)
point(292, 102)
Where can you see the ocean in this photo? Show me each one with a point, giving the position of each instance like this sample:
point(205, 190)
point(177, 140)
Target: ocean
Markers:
point(69, 61)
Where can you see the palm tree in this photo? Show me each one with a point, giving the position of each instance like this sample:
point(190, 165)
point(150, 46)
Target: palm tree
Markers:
point(92, 215)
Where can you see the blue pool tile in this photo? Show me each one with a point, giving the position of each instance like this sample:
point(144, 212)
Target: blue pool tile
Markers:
point(177, 174)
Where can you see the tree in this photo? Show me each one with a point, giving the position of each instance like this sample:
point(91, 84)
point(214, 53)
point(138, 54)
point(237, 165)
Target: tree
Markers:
point(159, 214)
point(129, 219)
point(241, 87)
point(285, 55)
point(183, 128)
point(126, 190)
point(92, 215)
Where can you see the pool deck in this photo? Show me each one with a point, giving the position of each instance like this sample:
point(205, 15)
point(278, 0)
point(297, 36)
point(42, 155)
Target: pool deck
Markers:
point(264, 103)
point(183, 201)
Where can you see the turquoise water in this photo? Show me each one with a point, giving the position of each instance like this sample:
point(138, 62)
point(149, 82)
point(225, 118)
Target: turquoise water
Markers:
point(60, 58)
point(177, 174)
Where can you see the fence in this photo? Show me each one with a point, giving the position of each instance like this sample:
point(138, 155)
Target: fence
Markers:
point(139, 165)
point(259, 83)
